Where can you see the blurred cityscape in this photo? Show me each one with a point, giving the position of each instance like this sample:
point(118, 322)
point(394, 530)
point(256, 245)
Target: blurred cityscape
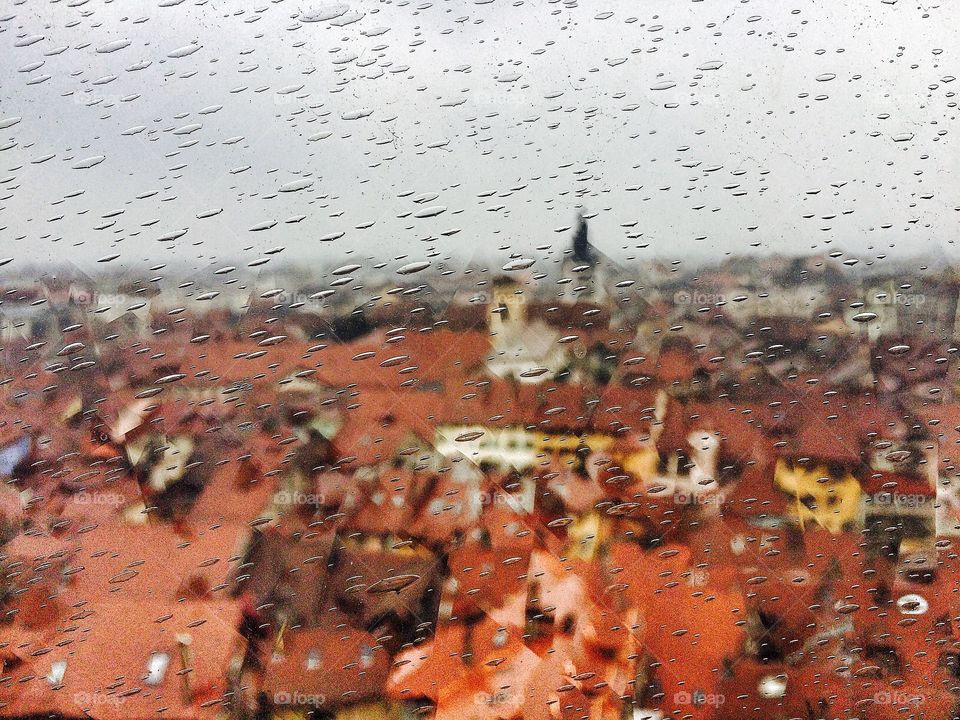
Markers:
point(612, 493)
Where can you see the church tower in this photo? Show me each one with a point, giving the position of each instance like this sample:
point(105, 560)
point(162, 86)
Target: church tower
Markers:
point(585, 265)
point(507, 306)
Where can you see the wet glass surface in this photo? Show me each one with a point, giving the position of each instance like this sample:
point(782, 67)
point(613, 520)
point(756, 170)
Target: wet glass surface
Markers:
point(478, 359)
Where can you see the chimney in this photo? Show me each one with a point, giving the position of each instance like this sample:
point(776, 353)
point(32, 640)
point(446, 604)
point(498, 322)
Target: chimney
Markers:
point(183, 641)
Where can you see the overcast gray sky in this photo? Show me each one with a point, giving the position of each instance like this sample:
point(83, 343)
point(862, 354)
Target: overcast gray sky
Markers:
point(690, 128)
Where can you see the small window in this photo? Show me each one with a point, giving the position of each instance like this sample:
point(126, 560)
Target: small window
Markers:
point(196, 586)
point(156, 668)
point(366, 657)
point(313, 659)
point(57, 670)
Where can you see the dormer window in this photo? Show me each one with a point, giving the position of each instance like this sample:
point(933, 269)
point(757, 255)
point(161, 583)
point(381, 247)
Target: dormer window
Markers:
point(366, 657)
point(157, 668)
point(196, 587)
point(57, 670)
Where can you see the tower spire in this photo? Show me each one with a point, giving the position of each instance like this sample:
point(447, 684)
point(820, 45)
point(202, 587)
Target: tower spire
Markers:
point(582, 249)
